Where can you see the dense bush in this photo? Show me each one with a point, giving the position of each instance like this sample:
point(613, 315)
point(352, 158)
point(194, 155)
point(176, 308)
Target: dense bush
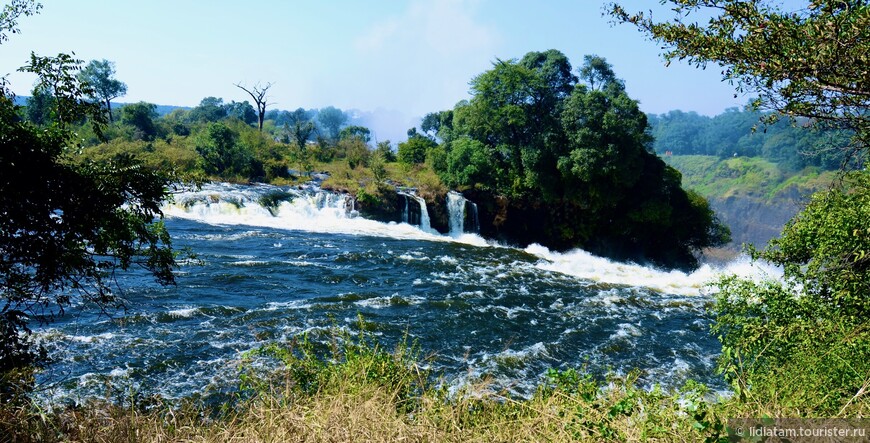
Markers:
point(805, 341)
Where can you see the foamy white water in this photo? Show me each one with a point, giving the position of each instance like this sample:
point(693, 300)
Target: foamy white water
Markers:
point(324, 212)
point(582, 264)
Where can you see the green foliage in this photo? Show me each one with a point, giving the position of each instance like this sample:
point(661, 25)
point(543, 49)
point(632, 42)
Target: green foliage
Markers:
point(808, 62)
point(385, 150)
point(356, 362)
point(39, 106)
point(210, 109)
point(355, 131)
point(11, 12)
point(413, 151)
point(805, 341)
point(66, 226)
point(747, 177)
point(468, 162)
point(597, 73)
point(331, 119)
point(141, 116)
point(99, 75)
point(242, 111)
point(355, 152)
point(377, 163)
point(221, 152)
point(531, 133)
point(736, 133)
point(273, 199)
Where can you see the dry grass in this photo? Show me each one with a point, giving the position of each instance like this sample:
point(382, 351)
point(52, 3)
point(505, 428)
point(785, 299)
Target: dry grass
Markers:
point(361, 393)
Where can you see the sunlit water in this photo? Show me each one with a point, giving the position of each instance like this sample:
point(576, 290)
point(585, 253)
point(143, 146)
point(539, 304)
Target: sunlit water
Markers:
point(483, 310)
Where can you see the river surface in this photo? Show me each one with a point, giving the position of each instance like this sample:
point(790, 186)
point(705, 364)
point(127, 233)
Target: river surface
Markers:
point(482, 310)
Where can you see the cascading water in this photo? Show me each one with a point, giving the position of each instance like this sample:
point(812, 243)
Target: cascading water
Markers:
point(456, 213)
point(271, 276)
point(475, 222)
point(425, 224)
point(405, 209)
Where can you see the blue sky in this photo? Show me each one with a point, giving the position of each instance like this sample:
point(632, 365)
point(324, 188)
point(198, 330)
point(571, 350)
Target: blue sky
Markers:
point(408, 57)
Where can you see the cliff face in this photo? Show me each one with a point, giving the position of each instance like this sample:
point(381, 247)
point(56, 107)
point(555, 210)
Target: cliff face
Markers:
point(755, 221)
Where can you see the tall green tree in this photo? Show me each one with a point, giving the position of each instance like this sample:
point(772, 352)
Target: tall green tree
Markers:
point(242, 111)
point(596, 72)
point(67, 225)
point(39, 106)
point(100, 74)
point(221, 151)
point(141, 117)
point(331, 119)
point(532, 133)
point(210, 109)
point(355, 131)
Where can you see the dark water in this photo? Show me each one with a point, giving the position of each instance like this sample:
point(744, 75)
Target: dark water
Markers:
point(481, 310)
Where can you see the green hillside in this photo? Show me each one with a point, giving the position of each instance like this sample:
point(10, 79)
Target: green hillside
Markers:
point(752, 177)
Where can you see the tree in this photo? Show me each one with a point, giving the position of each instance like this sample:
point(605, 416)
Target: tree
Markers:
point(141, 116)
point(100, 75)
point(210, 109)
point(258, 94)
point(355, 131)
point(385, 150)
point(242, 111)
point(221, 152)
point(802, 342)
point(810, 62)
point(39, 106)
point(332, 119)
point(10, 14)
point(413, 151)
point(597, 72)
point(301, 131)
point(532, 134)
point(66, 226)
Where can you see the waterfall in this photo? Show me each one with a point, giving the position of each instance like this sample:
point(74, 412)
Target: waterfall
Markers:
point(424, 214)
point(475, 222)
point(456, 213)
point(408, 215)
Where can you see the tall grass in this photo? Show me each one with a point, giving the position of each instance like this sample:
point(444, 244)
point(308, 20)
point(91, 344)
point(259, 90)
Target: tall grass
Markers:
point(354, 390)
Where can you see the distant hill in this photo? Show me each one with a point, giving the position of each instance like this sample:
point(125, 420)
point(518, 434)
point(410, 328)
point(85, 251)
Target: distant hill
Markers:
point(21, 100)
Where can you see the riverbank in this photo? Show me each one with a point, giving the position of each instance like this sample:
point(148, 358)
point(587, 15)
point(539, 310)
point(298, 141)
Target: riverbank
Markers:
point(359, 391)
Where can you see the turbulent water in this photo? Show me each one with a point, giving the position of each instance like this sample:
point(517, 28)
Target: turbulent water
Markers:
point(269, 274)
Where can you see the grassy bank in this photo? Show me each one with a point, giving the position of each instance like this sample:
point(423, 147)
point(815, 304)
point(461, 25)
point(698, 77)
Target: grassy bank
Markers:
point(358, 391)
point(754, 177)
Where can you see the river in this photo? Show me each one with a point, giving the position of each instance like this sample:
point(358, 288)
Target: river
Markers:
point(264, 275)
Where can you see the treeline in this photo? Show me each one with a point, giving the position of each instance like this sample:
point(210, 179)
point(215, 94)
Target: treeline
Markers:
point(220, 140)
point(745, 133)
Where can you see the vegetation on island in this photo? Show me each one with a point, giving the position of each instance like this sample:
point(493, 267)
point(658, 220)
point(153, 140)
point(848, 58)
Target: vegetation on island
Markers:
point(796, 347)
point(573, 156)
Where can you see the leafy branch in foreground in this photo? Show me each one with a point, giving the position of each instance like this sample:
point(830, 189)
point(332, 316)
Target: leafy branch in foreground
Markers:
point(810, 62)
point(66, 226)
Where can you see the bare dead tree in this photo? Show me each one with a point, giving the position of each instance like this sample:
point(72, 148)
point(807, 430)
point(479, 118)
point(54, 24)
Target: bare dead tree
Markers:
point(258, 93)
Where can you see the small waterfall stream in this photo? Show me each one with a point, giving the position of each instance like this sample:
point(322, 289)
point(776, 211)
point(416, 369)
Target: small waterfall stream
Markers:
point(456, 213)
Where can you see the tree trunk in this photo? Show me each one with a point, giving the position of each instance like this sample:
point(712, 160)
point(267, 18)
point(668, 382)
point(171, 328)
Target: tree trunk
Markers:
point(109, 107)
